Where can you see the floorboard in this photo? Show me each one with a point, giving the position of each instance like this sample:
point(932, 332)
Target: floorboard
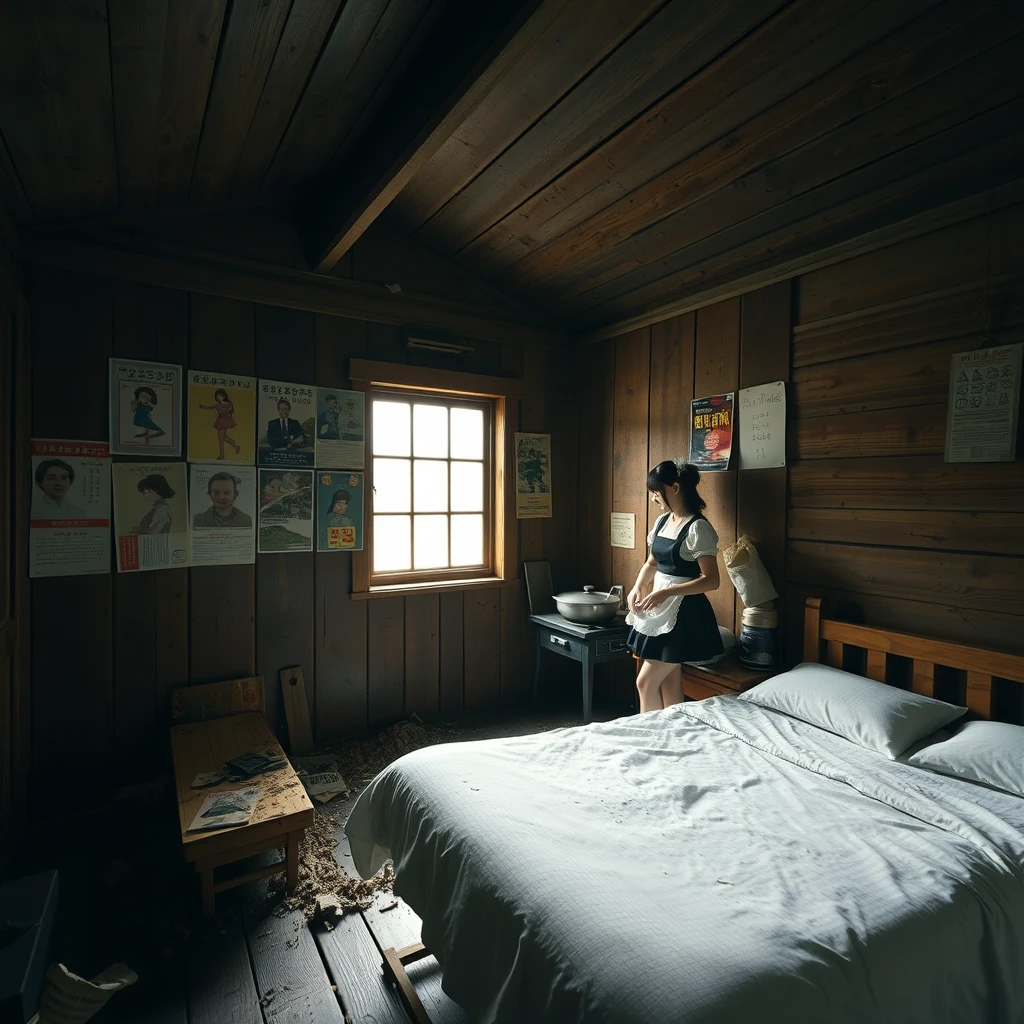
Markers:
point(221, 986)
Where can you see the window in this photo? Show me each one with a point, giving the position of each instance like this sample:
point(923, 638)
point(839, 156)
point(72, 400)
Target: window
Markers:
point(438, 514)
point(432, 486)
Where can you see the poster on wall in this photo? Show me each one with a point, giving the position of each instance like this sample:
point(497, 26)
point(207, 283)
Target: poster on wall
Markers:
point(150, 515)
point(286, 510)
point(711, 424)
point(533, 476)
point(340, 429)
point(623, 530)
point(145, 408)
point(222, 513)
point(286, 424)
point(339, 511)
point(221, 416)
point(69, 525)
point(984, 403)
point(761, 426)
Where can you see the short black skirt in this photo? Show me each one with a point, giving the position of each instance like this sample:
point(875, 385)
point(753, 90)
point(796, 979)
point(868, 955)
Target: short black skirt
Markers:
point(694, 637)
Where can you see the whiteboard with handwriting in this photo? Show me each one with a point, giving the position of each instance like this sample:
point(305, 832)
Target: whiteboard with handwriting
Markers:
point(761, 422)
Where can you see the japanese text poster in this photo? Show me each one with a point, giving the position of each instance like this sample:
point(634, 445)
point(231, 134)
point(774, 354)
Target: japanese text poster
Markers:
point(984, 402)
point(145, 408)
point(286, 424)
point(761, 426)
point(69, 531)
point(711, 432)
point(221, 418)
point(222, 511)
point(150, 515)
point(286, 510)
point(340, 430)
point(533, 476)
point(339, 510)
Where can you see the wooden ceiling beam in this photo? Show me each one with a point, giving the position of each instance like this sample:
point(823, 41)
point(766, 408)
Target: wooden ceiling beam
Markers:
point(476, 46)
point(169, 265)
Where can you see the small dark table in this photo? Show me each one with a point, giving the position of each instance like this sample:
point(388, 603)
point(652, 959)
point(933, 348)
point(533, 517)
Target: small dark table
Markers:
point(588, 645)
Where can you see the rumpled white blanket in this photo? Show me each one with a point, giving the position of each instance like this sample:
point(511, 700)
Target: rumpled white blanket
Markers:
point(714, 862)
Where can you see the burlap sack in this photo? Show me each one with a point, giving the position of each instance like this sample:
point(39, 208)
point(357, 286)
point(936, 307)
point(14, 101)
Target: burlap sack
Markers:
point(748, 574)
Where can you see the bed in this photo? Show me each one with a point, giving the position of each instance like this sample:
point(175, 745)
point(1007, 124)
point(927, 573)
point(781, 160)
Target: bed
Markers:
point(719, 861)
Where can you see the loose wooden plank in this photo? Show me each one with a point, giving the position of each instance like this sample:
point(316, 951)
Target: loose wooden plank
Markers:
point(668, 48)
point(386, 660)
point(916, 430)
point(221, 986)
point(981, 582)
point(137, 48)
point(944, 531)
point(716, 371)
point(422, 652)
point(742, 83)
point(907, 482)
point(562, 56)
point(354, 963)
point(223, 597)
point(250, 40)
point(481, 639)
point(304, 34)
point(193, 37)
point(451, 653)
point(296, 710)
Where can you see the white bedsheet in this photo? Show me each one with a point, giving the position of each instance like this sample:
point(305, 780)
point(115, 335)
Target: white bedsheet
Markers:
point(715, 862)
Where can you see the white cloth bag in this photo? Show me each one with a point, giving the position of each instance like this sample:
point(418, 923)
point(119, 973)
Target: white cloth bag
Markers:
point(748, 574)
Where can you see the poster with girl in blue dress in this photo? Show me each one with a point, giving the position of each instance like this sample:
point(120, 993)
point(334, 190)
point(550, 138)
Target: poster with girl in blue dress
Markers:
point(339, 510)
point(145, 408)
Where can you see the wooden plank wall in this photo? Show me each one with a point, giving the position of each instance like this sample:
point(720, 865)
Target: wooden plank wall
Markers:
point(107, 649)
point(634, 412)
point(878, 524)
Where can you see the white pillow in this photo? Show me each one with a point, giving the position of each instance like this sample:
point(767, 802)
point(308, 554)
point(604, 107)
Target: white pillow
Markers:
point(989, 752)
point(877, 716)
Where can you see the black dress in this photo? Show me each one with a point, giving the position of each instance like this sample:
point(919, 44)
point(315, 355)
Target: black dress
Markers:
point(695, 635)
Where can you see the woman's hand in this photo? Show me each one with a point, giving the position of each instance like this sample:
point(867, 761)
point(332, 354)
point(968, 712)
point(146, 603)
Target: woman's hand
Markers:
point(654, 600)
point(633, 600)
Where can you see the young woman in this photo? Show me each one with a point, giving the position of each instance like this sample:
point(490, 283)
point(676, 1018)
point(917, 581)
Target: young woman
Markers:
point(157, 490)
point(675, 621)
point(142, 406)
point(225, 420)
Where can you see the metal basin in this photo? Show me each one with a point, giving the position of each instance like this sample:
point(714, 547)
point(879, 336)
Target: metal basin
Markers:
point(588, 606)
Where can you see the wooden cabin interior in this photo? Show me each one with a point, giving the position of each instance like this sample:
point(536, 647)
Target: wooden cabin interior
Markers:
point(596, 211)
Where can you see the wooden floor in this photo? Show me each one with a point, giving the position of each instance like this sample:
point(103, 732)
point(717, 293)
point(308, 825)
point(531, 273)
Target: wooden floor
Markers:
point(139, 904)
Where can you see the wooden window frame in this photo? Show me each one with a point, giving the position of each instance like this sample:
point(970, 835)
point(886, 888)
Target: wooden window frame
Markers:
point(502, 395)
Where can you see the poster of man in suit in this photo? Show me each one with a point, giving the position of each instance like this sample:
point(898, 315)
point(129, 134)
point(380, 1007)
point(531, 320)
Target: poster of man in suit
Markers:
point(287, 424)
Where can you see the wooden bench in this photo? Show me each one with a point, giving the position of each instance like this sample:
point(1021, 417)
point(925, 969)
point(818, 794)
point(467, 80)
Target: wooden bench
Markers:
point(283, 811)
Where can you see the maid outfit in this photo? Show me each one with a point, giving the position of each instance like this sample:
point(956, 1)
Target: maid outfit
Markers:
point(682, 628)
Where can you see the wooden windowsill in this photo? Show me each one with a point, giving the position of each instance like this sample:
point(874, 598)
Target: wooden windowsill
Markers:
point(443, 587)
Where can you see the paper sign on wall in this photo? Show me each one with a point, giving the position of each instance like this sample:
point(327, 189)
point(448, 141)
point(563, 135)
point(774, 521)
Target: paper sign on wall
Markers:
point(984, 398)
point(762, 426)
point(623, 529)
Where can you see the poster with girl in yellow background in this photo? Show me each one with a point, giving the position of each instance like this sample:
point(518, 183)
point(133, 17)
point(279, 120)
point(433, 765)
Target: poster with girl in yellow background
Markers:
point(221, 418)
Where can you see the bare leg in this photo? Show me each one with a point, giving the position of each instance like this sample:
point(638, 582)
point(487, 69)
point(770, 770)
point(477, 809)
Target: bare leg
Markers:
point(672, 687)
point(648, 683)
point(220, 442)
point(231, 442)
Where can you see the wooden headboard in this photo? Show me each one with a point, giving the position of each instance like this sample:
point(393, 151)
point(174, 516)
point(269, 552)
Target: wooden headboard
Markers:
point(977, 674)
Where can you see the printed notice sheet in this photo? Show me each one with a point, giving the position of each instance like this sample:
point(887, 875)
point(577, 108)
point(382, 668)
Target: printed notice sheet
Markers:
point(286, 424)
point(69, 532)
point(984, 402)
point(711, 422)
point(340, 430)
point(533, 476)
point(222, 514)
point(150, 515)
point(286, 510)
point(761, 426)
point(221, 418)
point(145, 408)
point(339, 510)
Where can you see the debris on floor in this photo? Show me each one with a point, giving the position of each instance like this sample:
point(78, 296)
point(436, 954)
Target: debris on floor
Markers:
point(319, 774)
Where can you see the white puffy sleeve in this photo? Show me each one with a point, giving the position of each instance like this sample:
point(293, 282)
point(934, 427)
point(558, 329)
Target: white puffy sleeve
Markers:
point(654, 530)
point(701, 539)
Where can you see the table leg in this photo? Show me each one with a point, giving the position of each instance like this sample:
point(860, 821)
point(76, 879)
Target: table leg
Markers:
point(536, 668)
point(588, 684)
point(292, 860)
point(206, 888)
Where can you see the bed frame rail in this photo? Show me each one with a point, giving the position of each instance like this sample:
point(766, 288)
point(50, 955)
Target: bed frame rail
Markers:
point(826, 640)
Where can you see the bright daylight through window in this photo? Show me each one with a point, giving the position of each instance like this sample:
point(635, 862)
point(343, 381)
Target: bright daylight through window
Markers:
point(432, 482)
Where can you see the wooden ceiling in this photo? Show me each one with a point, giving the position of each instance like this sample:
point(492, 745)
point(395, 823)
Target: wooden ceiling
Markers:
point(604, 161)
